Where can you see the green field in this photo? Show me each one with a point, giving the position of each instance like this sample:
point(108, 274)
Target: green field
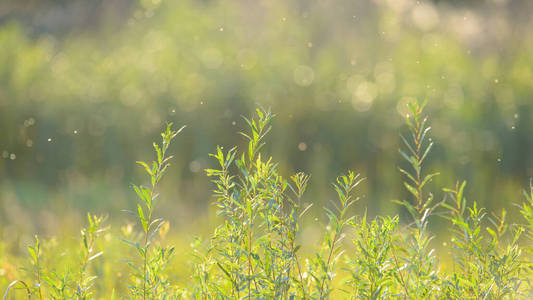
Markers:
point(301, 169)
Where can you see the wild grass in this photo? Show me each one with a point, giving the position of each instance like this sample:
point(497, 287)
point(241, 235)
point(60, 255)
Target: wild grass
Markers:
point(255, 251)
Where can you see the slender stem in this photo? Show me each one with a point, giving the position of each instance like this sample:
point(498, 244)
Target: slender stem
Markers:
point(39, 275)
point(295, 257)
point(24, 286)
point(300, 275)
point(250, 231)
point(146, 234)
point(328, 262)
point(84, 264)
point(149, 220)
point(231, 202)
point(250, 258)
point(144, 264)
point(402, 280)
point(293, 241)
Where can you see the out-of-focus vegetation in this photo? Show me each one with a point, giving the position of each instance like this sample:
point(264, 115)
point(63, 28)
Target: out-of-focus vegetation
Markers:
point(86, 85)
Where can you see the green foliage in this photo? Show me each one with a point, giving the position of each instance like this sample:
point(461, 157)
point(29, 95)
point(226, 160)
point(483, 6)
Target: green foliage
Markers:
point(323, 266)
point(75, 282)
point(420, 279)
point(371, 267)
point(87, 254)
point(486, 264)
point(417, 150)
point(256, 251)
point(253, 253)
point(148, 278)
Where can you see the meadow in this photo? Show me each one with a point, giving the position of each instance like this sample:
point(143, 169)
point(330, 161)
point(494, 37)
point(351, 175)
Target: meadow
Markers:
point(255, 251)
point(307, 149)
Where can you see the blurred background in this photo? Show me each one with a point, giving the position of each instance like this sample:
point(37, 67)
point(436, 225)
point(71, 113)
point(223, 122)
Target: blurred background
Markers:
point(87, 85)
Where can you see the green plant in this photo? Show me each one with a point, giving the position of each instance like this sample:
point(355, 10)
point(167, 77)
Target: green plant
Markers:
point(526, 210)
point(63, 285)
point(88, 253)
point(253, 253)
point(420, 278)
point(323, 267)
point(148, 277)
point(30, 289)
point(485, 266)
point(371, 268)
